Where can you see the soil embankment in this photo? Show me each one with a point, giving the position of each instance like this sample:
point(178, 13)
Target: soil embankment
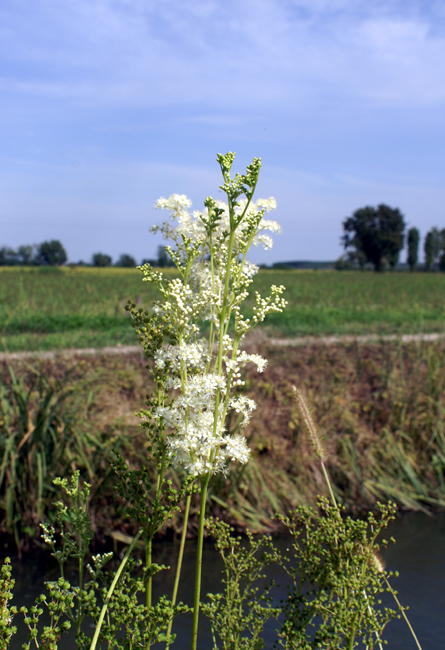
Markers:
point(380, 408)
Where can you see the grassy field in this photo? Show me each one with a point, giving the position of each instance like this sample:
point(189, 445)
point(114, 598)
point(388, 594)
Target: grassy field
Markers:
point(55, 308)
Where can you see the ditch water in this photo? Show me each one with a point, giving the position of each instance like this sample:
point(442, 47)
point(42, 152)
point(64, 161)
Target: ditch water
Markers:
point(418, 555)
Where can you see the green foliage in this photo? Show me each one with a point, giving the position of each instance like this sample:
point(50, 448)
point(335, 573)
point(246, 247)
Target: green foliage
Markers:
point(7, 613)
point(434, 247)
point(238, 614)
point(51, 253)
point(126, 261)
point(337, 580)
point(99, 259)
point(377, 233)
point(150, 503)
point(24, 255)
point(44, 431)
point(163, 258)
point(127, 623)
point(36, 437)
point(343, 264)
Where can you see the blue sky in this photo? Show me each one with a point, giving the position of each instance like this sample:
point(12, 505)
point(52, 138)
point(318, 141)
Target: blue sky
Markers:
point(106, 105)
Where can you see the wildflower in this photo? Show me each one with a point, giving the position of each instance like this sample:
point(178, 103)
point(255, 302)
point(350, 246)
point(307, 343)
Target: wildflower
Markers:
point(209, 248)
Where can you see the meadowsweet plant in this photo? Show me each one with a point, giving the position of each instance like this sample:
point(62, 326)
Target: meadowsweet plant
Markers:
point(335, 571)
point(197, 378)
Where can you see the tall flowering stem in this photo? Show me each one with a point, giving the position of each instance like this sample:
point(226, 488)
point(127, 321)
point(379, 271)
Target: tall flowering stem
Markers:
point(201, 376)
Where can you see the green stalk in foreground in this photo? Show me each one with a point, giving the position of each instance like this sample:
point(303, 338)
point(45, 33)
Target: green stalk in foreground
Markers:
point(111, 590)
point(196, 604)
point(179, 565)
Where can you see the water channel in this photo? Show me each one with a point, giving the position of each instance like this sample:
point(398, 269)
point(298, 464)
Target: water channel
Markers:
point(418, 555)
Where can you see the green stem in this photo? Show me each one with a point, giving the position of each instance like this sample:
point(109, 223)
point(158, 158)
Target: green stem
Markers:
point(79, 599)
point(328, 483)
point(404, 616)
point(351, 639)
point(111, 590)
point(370, 612)
point(204, 484)
point(149, 579)
point(179, 565)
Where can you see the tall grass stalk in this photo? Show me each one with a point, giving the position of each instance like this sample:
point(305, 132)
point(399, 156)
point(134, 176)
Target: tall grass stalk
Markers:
point(321, 455)
point(179, 564)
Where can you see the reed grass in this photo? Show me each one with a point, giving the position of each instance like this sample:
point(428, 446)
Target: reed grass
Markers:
point(380, 410)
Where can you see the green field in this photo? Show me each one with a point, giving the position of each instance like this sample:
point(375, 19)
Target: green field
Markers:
point(55, 308)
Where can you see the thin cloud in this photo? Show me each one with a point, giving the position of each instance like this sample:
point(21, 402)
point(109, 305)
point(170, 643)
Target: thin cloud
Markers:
point(139, 53)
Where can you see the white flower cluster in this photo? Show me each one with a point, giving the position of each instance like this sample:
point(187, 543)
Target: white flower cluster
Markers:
point(199, 442)
point(234, 365)
point(191, 356)
point(190, 225)
point(210, 248)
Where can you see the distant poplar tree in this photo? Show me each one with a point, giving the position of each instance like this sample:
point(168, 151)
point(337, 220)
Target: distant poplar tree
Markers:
point(413, 248)
point(164, 258)
point(432, 248)
point(442, 255)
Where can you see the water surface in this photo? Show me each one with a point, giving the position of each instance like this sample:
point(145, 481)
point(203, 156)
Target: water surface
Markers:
point(418, 555)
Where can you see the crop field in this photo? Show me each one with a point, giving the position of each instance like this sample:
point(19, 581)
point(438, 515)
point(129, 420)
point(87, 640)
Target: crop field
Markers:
point(55, 308)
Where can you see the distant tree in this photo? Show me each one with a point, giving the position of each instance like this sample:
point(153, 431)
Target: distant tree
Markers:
point(375, 233)
point(126, 261)
point(442, 254)
point(99, 259)
point(164, 258)
point(25, 255)
point(147, 260)
point(343, 264)
point(281, 266)
point(51, 253)
point(356, 258)
point(413, 248)
point(8, 256)
point(432, 247)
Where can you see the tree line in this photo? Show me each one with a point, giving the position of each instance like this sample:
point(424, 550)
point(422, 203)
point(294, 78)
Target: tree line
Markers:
point(376, 235)
point(371, 236)
point(52, 253)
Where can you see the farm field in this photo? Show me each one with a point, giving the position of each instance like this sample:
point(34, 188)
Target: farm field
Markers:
point(56, 308)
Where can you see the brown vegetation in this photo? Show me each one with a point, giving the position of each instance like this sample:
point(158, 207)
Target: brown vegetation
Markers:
point(380, 410)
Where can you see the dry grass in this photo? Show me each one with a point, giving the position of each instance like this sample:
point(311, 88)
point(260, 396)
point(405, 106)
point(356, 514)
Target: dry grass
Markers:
point(380, 410)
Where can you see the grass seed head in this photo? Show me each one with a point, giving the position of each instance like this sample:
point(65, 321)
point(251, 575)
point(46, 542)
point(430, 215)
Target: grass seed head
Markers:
point(309, 421)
